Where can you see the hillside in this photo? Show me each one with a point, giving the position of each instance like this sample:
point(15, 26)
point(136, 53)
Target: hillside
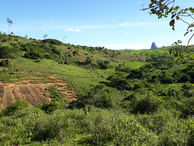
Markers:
point(53, 93)
point(29, 62)
point(64, 53)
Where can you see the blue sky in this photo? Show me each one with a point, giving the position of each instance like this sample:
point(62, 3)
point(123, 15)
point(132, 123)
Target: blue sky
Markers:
point(110, 23)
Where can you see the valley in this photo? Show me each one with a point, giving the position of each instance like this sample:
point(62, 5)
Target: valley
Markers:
point(53, 93)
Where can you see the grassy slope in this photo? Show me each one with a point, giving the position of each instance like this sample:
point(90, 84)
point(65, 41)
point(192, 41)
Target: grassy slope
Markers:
point(77, 77)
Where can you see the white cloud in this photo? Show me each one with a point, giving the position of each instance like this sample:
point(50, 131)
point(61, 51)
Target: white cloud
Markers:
point(127, 33)
point(75, 30)
point(78, 30)
point(44, 30)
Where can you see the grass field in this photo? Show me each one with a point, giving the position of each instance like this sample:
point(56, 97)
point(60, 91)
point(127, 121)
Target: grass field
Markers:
point(76, 77)
point(133, 64)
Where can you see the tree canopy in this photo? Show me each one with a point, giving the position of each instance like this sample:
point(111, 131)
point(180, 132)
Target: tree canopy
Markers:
point(168, 8)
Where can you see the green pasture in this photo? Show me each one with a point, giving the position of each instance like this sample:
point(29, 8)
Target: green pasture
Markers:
point(24, 69)
point(133, 64)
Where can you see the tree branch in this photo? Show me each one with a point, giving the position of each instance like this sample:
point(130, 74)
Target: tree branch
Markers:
point(190, 39)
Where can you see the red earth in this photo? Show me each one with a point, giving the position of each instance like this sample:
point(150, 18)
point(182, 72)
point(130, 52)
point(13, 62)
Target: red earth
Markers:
point(33, 93)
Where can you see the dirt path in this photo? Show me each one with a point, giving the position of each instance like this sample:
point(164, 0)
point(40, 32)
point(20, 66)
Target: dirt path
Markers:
point(33, 93)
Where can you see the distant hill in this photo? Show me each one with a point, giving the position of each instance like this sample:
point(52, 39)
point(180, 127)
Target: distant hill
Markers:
point(153, 46)
point(87, 56)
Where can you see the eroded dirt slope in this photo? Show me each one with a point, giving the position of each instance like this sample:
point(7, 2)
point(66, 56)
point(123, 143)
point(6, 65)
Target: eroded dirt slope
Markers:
point(33, 93)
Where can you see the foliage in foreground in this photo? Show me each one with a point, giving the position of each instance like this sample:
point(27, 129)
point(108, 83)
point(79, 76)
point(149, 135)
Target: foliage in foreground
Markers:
point(97, 127)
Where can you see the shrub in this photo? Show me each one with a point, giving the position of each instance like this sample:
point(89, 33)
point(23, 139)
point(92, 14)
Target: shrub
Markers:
point(55, 50)
point(5, 63)
point(119, 81)
point(103, 64)
point(52, 41)
point(75, 52)
point(88, 60)
point(54, 105)
point(176, 132)
point(61, 62)
point(9, 52)
point(54, 94)
point(188, 106)
point(147, 104)
point(98, 96)
point(18, 105)
point(70, 54)
point(116, 128)
point(37, 60)
point(123, 69)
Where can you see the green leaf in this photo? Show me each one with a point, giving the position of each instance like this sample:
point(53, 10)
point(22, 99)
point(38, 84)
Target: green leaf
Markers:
point(191, 10)
point(176, 8)
point(150, 5)
point(173, 16)
point(177, 17)
point(165, 15)
point(153, 11)
point(172, 22)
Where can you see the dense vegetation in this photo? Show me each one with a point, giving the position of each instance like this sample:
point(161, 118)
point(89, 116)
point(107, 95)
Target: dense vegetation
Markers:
point(123, 98)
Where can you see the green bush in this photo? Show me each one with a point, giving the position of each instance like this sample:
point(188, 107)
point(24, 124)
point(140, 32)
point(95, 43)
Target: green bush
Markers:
point(98, 96)
point(88, 60)
point(54, 94)
point(177, 132)
point(116, 128)
point(123, 69)
point(147, 104)
point(9, 52)
point(18, 105)
point(187, 107)
point(5, 63)
point(54, 105)
point(52, 41)
point(41, 50)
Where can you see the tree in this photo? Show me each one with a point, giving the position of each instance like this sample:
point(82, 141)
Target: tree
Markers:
point(18, 105)
point(45, 36)
point(26, 36)
point(168, 8)
point(63, 39)
point(10, 22)
point(88, 60)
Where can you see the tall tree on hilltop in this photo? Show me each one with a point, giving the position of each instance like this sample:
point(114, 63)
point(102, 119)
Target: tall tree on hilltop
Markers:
point(10, 22)
point(46, 35)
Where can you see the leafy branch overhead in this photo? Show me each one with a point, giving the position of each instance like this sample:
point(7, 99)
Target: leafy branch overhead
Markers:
point(168, 8)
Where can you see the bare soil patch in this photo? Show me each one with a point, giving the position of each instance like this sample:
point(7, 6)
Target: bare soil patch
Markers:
point(33, 93)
